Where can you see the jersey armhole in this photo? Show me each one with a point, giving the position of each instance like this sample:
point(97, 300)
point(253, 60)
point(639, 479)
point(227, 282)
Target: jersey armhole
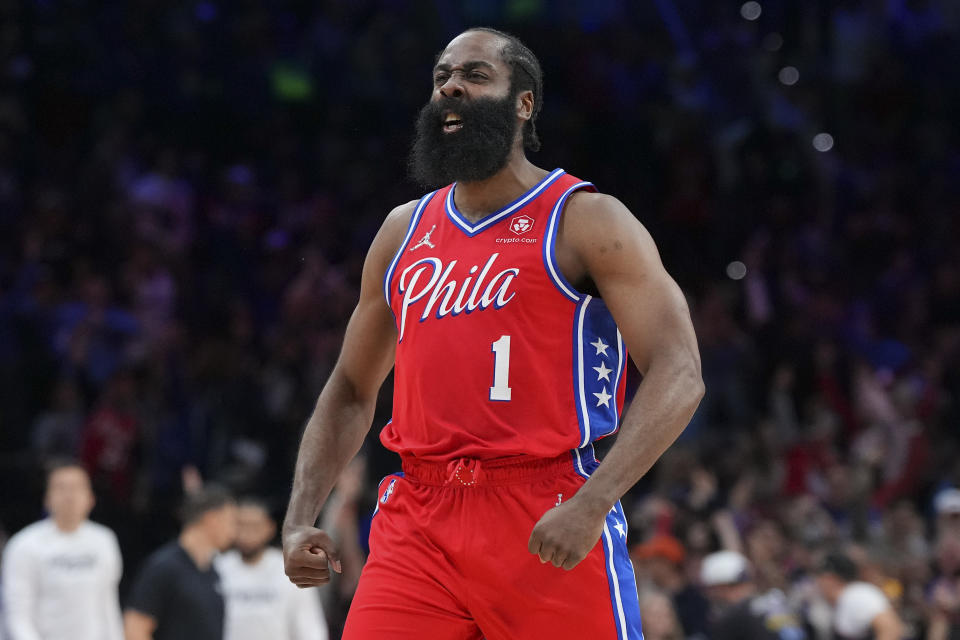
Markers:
point(414, 220)
point(550, 241)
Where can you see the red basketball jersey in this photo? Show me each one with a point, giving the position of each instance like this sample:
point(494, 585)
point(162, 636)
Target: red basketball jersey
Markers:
point(497, 354)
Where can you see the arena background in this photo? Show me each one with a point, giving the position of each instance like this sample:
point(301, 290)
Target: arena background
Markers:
point(188, 190)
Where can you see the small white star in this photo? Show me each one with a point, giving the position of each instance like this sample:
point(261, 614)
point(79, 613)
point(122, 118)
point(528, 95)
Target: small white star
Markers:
point(620, 529)
point(603, 398)
point(601, 347)
point(602, 372)
point(613, 509)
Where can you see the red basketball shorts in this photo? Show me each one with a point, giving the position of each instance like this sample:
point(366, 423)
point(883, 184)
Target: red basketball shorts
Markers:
point(449, 559)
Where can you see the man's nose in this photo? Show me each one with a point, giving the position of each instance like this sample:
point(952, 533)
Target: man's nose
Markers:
point(452, 88)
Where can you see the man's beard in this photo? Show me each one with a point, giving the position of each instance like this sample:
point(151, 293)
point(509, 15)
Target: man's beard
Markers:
point(250, 554)
point(476, 151)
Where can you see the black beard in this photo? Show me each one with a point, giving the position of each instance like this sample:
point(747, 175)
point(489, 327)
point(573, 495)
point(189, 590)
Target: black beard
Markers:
point(250, 554)
point(477, 151)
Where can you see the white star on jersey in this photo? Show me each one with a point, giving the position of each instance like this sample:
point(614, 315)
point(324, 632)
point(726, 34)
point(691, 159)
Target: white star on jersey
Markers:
point(603, 398)
point(601, 347)
point(620, 529)
point(602, 372)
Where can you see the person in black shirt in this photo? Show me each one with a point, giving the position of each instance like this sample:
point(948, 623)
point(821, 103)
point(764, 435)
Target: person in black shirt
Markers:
point(177, 594)
point(738, 611)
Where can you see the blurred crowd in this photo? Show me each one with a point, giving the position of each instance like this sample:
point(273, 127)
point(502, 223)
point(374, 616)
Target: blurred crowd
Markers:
point(188, 190)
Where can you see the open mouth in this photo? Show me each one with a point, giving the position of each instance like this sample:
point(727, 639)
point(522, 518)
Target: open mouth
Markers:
point(451, 123)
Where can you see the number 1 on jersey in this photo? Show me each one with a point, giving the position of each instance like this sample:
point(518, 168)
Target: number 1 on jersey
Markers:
point(501, 369)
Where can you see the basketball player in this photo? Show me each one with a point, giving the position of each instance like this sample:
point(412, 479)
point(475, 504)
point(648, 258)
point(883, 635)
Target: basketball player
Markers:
point(505, 301)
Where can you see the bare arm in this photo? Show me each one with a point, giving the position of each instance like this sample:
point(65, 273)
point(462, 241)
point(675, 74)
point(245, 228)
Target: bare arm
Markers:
point(138, 626)
point(620, 257)
point(601, 241)
point(344, 411)
point(886, 626)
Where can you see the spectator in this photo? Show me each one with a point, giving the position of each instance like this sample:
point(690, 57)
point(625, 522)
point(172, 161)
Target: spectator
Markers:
point(261, 601)
point(947, 506)
point(60, 574)
point(739, 612)
point(861, 610)
point(659, 619)
point(177, 594)
point(944, 592)
point(660, 563)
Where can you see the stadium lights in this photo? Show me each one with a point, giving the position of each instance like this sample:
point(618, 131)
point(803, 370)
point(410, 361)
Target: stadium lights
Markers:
point(751, 10)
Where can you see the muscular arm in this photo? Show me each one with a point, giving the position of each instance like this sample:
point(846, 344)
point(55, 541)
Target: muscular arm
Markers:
point(344, 411)
point(601, 241)
point(617, 253)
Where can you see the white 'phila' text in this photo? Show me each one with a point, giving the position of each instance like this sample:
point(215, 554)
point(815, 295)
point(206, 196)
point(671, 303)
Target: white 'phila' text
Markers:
point(430, 276)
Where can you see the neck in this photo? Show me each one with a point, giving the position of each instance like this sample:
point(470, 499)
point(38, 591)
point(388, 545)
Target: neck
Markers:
point(67, 526)
point(477, 199)
point(198, 546)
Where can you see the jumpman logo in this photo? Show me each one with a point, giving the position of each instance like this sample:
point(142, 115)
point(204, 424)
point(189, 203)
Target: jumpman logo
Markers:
point(425, 240)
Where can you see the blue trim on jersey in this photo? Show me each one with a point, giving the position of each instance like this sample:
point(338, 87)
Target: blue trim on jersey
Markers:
point(620, 577)
point(550, 242)
point(414, 220)
point(621, 580)
point(584, 460)
point(583, 415)
point(616, 381)
point(595, 395)
point(473, 229)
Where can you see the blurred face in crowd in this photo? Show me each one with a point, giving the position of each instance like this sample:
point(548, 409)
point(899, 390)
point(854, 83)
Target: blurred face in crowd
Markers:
point(69, 497)
point(948, 556)
point(255, 530)
point(468, 128)
point(220, 525)
point(659, 618)
point(661, 571)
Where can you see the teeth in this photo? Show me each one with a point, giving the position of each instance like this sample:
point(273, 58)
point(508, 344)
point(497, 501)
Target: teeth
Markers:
point(451, 118)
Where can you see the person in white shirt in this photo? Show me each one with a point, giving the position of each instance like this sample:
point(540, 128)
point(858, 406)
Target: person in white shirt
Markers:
point(861, 610)
point(60, 575)
point(261, 601)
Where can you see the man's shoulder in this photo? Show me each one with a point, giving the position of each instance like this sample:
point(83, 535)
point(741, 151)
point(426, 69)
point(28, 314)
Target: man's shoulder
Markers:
point(228, 561)
point(591, 200)
point(166, 558)
point(30, 536)
point(399, 217)
point(273, 557)
point(100, 532)
point(392, 232)
point(862, 591)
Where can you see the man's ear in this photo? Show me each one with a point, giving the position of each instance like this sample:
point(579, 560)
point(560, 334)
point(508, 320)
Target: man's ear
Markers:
point(525, 104)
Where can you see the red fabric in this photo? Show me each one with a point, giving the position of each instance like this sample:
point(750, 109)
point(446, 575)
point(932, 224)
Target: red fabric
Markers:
point(446, 356)
point(449, 561)
point(106, 449)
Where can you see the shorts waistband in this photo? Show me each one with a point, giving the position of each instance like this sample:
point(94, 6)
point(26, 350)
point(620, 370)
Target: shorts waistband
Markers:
point(472, 472)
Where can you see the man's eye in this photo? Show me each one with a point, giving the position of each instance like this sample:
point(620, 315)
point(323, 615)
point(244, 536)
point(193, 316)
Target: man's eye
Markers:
point(476, 75)
point(440, 78)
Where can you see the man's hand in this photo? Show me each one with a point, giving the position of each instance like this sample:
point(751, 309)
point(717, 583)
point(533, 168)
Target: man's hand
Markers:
point(566, 534)
point(306, 553)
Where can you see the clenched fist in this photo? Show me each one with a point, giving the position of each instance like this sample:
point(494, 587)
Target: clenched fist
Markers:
point(308, 553)
point(566, 534)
